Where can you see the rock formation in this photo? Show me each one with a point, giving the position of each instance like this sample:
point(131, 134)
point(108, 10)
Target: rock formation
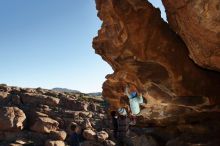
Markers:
point(168, 63)
point(44, 117)
point(143, 50)
point(198, 24)
point(11, 118)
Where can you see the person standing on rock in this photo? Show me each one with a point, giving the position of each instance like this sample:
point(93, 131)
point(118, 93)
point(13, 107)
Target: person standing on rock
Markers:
point(76, 137)
point(123, 128)
point(114, 123)
point(135, 99)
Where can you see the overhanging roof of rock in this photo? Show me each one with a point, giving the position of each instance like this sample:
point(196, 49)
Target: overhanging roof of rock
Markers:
point(143, 50)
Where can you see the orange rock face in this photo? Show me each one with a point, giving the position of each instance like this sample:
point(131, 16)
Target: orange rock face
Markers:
point(145, 52)
point(198, 24)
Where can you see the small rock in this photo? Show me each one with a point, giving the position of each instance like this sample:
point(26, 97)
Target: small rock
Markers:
point(3, 95)
point(72, 104)
point(85, 106)
point(90, 115)
point(40, 90)
point(109, 143)
point(101, 116)
point(93, 107)
point(54, 143)
point(4, 98)
point(101, 111)
point(84, 114)
point(89, 134)
point(4, 88)
point(58, 135)
point(102, 136)
point(86, 124)
point(15, 99)
point(14, 144)
point(23, 142)
point(52, 93)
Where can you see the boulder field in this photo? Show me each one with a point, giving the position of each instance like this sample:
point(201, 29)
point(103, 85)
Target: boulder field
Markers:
point(38, 117)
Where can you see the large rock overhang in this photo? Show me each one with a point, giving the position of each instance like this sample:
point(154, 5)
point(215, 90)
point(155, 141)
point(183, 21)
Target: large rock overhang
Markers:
point(144, 51)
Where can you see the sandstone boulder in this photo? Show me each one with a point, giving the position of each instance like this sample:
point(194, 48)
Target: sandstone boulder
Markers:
point(102, 136)
point(35, 99)
point(110, 143)
point(14, 144)
point(89, 134)
point(84, 114)
point(144, 51)
point(93, 107)
point(4, 88)
point(73, 104)
point(21, 142)
point(51, 93)
point(54, 143)
point(198, 24)
point(44, 124)
point(86, 124)
point(11, 119)
point(58, 135)
point(15, 99)
point(84, 106)
point(4, 98)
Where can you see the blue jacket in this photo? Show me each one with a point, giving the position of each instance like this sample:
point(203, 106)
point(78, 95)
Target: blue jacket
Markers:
point(134, 102)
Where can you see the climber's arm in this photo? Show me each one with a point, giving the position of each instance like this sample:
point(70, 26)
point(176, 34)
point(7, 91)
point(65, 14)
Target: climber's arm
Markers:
point(126, 91)
point(140, 100)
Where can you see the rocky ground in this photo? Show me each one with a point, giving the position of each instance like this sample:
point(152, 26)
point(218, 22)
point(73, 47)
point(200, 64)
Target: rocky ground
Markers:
point(38, 117)
point(43, 117)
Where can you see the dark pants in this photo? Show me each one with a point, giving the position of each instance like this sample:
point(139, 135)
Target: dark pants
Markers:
point(124, 141)
point(115, 134)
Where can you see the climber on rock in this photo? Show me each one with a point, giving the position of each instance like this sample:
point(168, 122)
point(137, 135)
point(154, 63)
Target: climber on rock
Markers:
point(123, 128)
point(135, 99)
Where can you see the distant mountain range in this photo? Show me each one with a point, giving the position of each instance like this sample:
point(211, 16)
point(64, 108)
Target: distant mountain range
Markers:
point(75, 91)
point(95, 94)
point(65, 90)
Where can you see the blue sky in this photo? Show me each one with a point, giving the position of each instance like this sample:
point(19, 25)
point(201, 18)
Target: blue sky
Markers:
point(48, 43)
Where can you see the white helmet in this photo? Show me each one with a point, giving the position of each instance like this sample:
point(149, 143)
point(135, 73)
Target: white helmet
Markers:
point(122, 111)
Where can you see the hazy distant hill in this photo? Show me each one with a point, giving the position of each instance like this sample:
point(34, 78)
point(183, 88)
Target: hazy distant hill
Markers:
point(65, 90)
point(95, 94)
point(76, 91)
